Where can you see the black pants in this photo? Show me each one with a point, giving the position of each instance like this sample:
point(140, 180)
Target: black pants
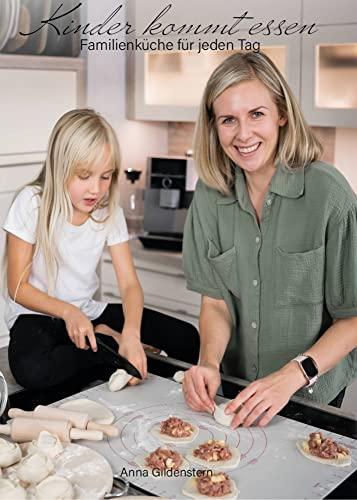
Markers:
point(41, 355)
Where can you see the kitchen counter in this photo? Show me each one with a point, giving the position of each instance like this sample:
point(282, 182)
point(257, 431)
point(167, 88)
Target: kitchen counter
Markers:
point(321, 416)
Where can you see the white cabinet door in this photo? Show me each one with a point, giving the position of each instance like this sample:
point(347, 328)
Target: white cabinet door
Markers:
point(5, 201)
point(329, 76)
point(322, 12)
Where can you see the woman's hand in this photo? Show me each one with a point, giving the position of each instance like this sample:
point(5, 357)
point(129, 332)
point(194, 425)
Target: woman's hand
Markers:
point(132, 349)
point(200, 386)
point(264, 398)
point(79, 327)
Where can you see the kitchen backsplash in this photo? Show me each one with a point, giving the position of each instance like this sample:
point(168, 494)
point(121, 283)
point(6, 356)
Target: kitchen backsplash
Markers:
point(181, 137)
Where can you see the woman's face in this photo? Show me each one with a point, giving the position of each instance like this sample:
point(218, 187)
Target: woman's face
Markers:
point(247, 121)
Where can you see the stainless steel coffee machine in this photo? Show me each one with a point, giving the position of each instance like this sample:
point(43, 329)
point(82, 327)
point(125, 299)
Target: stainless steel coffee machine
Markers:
point(169, 190)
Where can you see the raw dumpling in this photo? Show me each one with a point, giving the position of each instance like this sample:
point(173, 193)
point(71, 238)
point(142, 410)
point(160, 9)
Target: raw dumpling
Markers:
point(47, 443)
point(10, 453)
point(118, 380)
point(179, 376)
point(10, 491)
point(56, 488)
point(221, 417)
point(34, 468)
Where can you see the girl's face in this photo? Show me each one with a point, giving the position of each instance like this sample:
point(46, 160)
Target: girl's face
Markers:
point(88, 186)
point(247, 121)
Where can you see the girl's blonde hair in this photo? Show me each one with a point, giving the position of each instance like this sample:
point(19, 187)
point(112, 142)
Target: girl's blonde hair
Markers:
point(297, 146)
point(79, 139)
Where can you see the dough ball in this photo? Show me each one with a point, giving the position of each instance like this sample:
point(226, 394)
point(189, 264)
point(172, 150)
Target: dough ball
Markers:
point(47, 443)
point(10, 453)
point(55, 488)
point(34, 468)
point(118, 380)
point(179, 376)
point(221, 417)
point(10, 491)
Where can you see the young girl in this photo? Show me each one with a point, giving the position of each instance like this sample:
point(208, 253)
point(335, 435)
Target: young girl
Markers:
point(57, 228)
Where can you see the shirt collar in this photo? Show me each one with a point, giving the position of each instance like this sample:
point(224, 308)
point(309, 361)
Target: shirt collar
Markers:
point(287, 183)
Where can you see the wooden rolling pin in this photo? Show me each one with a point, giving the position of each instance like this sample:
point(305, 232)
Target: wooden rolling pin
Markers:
point(78, 419)
point(27, 429)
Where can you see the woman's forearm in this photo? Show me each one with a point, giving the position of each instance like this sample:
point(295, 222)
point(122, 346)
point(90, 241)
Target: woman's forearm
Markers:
point(133, 304)
point(334, 344)
point(215, 331)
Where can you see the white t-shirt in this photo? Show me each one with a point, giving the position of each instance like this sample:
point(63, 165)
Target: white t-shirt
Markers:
point(79, 250)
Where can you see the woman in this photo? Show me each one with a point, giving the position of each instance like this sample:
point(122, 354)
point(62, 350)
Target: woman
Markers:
point(270, 243)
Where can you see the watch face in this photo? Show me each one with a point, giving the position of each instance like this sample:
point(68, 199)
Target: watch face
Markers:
point(309, 367)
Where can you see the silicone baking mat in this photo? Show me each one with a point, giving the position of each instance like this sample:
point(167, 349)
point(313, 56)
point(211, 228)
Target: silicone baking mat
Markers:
point(271, 467)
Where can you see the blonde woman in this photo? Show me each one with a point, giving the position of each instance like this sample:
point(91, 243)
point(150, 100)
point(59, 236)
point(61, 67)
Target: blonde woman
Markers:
point(57, 228)
point(270, 243)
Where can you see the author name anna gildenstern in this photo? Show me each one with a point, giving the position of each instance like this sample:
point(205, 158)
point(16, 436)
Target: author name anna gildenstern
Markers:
point(127, 473)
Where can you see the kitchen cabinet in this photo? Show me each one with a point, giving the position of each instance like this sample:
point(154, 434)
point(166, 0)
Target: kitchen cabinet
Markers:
point(35, 92)
point(11, 179)
point(162, 278)
point(329, 76)
point(168, 85)
point(327, 13)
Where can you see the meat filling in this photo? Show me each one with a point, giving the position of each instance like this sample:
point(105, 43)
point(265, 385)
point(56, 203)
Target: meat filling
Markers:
point(214, 485)
point(213, 451)
point(325, 447)
point(163, 459)
point(175, 427)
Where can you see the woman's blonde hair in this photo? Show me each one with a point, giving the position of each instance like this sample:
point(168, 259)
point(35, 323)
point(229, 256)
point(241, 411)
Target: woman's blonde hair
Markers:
point(79, 139)
point(297, 146)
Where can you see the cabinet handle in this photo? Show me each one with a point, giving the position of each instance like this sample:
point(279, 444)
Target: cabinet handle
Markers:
point(151, 270)
point(112, 295)
point(164, 273)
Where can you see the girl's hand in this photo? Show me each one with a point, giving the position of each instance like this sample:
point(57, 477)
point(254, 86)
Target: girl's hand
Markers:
point(132, 349)
point(264, 398)
point(79, 327)
point(199, 387)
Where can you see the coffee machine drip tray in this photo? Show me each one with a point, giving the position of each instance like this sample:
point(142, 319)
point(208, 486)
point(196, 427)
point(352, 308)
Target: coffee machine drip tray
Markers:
point(162, 241)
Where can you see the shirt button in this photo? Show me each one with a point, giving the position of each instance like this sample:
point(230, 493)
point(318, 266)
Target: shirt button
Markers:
point(254, 368)
point(257, 239)
point(269, 202)
point(255, 282)
point(253, 325)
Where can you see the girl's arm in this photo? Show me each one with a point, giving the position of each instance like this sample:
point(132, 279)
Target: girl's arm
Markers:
point(19, 257)
point(133, 304)
point(201, 382)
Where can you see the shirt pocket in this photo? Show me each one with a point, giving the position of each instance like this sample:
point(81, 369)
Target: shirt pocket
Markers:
point(225, 266)
point(299, 277)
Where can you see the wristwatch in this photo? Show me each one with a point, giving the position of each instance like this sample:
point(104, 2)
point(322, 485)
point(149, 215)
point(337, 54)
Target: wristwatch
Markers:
point(308, 367)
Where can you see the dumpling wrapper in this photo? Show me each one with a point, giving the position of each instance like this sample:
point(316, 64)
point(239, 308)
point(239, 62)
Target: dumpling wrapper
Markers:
point(98, 413)
point(46, 443)
point(10, 453)
point(34, 468)
point(230, 464)
point(165, 438)
point(118, 380)
point(336, 462)
point(221, 417)
point(55, 488)
point(179, 376)
point(140, 461)
point(190, 490)
point(11, 491)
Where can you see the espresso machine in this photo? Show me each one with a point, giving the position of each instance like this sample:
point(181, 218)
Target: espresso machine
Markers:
point(169, 190)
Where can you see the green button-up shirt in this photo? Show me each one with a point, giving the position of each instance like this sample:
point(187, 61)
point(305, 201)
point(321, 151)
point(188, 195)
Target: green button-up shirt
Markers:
point(285, 280)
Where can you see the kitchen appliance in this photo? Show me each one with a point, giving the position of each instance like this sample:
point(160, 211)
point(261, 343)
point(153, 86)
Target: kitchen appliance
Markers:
point(170, 186)
point(134, 202)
